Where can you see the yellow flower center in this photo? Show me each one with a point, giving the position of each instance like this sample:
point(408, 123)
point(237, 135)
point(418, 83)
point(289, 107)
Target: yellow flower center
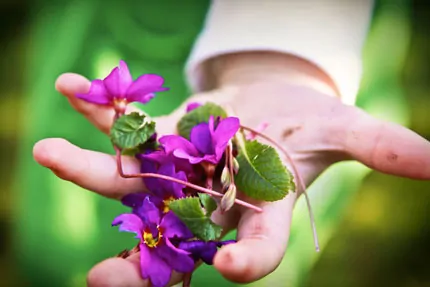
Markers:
point(166, 203)
point(149, 239)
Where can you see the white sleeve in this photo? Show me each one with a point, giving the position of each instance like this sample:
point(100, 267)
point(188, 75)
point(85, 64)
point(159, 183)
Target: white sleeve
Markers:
point(328, 33)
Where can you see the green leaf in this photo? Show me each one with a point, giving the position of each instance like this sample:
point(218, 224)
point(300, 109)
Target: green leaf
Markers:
point(131, 131)
point(197, 116)
point(140, 148)
point(262, 175)
point(191, 213)
point(208, 203)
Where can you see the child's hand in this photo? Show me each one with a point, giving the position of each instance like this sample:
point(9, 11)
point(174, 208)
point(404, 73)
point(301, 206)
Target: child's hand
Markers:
point(318, 130)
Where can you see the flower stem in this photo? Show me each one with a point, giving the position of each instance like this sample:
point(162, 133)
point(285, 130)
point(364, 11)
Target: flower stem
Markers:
point(230, 161)
point(186, 281)
point(209, 182)
point(299, 180)
point(188, 184)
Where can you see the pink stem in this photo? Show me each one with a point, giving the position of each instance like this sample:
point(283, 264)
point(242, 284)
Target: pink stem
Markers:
point(299, 179)
point(165, 177)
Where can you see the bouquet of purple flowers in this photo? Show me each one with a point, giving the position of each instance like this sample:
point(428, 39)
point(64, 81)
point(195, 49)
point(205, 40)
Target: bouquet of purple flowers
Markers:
point(172, 218)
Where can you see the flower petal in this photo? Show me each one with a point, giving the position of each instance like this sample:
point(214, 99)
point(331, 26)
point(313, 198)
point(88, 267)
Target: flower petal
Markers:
point(203, 250)
point(179, 153)
point(180, 148)
point(129, 222)
point(179, 260)
point(97, 94)
point(171, 188)
point(157, 201)
point(225, 242)
point(172, 226)
point(225, 130)
point(171, 143)
point(195, 159)
point(200, 250)
point(142, 90)
point(152, 184)
point(201, 138)
point(134, 200)
point(161, 157)
point(154, 267)
point(149, 212)
point(158, 156)
point(211, 124)
point(118, 81)
point(207, 255)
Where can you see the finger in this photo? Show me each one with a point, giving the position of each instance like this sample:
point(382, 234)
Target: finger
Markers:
point(70, 84)
point(100, 116)
point(388, 147)
point(262, 240)
point(118, 272)
point(91, 170)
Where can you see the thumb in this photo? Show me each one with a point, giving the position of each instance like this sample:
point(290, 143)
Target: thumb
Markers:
point(388, 147)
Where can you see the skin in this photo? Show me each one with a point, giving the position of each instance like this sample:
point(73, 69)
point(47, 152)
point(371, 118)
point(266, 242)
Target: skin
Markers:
point(298, 101)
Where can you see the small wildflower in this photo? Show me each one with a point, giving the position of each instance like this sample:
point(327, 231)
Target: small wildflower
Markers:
point(207, 141)
point(162, 191)
point(160, 187)
point(118, 89)
point(160, 157)
point(158, 256)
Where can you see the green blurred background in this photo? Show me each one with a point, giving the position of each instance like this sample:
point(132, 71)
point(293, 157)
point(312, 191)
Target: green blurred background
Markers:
point(374, 227)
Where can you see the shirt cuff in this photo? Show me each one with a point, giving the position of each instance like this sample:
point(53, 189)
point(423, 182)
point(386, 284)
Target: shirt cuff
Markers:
point(328, 33)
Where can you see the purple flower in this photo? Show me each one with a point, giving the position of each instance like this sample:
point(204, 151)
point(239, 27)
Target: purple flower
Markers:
point(118, 88)
point(160, 157)
point(158, 256)
point(163, 191)
point(160, 187)
point(208, 141)
point(203, 250)
point(136, 201)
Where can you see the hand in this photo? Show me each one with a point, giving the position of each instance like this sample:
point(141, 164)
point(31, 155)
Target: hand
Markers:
point(318, 130)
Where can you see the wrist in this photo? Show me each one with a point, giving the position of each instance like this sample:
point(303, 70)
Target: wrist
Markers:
point(245, 68)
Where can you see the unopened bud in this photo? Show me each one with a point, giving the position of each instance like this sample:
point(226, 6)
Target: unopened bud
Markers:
point(225, 177)
point(235, 166)
point(228, 199)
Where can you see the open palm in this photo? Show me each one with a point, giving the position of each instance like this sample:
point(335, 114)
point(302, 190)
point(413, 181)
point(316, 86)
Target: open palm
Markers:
point(318, 131)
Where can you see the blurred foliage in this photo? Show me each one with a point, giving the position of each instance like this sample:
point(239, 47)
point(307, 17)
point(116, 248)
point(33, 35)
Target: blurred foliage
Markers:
point(383, 236)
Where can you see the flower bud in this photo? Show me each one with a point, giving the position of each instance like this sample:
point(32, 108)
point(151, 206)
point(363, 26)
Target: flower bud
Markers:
point(225, 177)
point(235, 166)
point(228, 199)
